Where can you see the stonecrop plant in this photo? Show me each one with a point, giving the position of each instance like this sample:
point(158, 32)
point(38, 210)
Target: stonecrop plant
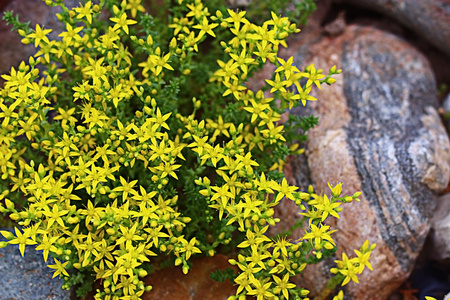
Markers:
point(131, 142)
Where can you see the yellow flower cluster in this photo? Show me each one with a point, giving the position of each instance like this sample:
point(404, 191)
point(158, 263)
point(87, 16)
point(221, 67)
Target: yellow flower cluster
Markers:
point(354, 266)
point(98, 159)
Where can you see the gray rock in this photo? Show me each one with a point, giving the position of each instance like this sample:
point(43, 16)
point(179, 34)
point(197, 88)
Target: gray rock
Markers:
point(446, 104)
point(378, 133)
point(12, 51)
point(430, 19)
point(238, 3)
point(439, 238)
point(28, 277)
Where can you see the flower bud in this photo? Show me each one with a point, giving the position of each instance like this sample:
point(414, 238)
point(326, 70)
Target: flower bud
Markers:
point(7, 234)
point(25, 41)
point(330, 80)
point(304, 292)
point(9, 204)
point(14, 216)
point(283, 35)
point(173, 43)
point(149, 40)
point(185, 269)
point(178, 261)
point(328, 246)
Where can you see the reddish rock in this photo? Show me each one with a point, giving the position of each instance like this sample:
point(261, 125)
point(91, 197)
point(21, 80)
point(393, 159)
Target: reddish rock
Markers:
point(378, 133)
point(3, 3)
point(171, 283)
point(12, 51)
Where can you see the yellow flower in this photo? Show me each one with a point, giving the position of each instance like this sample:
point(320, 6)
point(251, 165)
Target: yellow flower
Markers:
point(253, 239)
point(277, 84)
point(7, 112)
point(350, 273)
point(260, 289)
point(161, 62)
point(199, 143)
point(21, 238)
point(318, 234)
point(304, 93)
point(95, 117)
point(168, 168)
point(70, 33)
point(246, 162)
point(243, 60)
point(66, 116)
point(363, 259)
point(220, 127)
point(134, 6)
point(6, 166)
point(283, 285)
point(227, 70)
point(85, 11)
point(128, 235)
point(213, 154)
point(282, 244)
point(60, 268)
point(47, 245)
point(339, 296)
point(257, 110)
point(237, 18)
point(40, 35)
point(313, 76)
point(265, 51)
point(161, 119)
point(122, 22)
point(189, 247)
point(126, 266)
point(205, 27)
point(287, 67)
point(264, 185)
point(103, 250)
point(181, 24)
point(233, 88)
point(154, 234)
point(328, 208)
point(284, 190)
point(250, 205)
point(125, 188)
point(197, 10)
point(55, 215)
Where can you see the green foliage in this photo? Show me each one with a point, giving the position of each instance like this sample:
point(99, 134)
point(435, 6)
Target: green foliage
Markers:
point(222, 275)
point(133, 142)
point(297, 10)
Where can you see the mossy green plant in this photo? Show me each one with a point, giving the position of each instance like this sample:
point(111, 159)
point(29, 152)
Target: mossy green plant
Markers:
point(132, 142)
